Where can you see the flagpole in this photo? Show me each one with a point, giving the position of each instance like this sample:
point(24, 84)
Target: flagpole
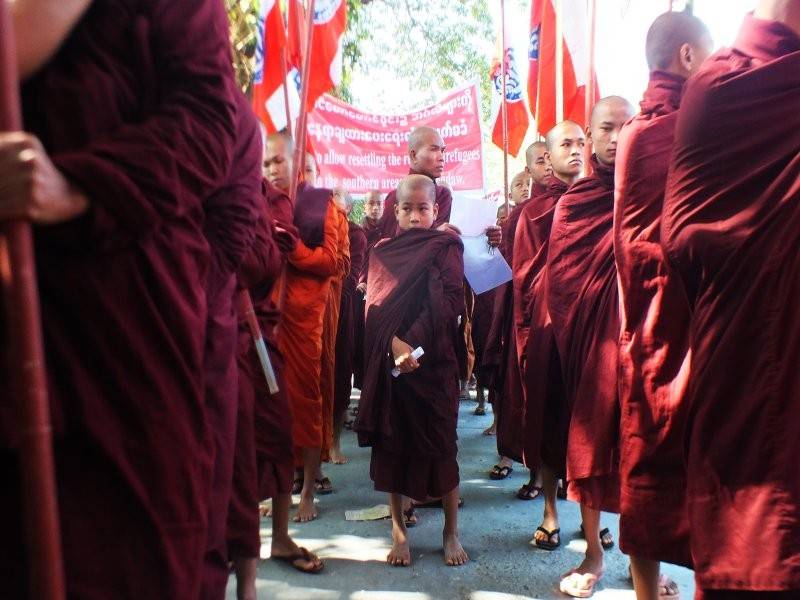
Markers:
point(288, 110)
point(21, 302)
point(299, 162)
point(504, 105)
point(559, 61)
point(591, 82)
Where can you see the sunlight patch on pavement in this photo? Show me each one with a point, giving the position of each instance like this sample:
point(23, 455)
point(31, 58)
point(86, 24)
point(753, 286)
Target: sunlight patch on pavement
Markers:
point(279, 590)
point(342, 547)
point(498, 596)
point(578, 546)
point(614, 594)
point(380, 595)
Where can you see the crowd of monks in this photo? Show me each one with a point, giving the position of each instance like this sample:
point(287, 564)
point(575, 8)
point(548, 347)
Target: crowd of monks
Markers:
point(204, 327)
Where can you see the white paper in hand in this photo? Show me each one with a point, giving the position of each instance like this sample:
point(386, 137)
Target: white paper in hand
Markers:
point(472, 213)
point(484, 267)
point(416, 355)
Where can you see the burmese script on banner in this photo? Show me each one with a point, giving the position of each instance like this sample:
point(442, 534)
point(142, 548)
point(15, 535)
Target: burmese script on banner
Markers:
point(361, 151)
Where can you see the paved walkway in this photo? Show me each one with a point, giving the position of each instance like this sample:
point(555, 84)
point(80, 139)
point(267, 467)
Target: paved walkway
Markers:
point(495, 529)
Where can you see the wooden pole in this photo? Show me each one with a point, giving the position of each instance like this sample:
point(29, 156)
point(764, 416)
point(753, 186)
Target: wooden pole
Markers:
point(559, 61)
point(21, 303)
point(286, 92)
point(299, 162)
point(504, 105)
point(591, 81)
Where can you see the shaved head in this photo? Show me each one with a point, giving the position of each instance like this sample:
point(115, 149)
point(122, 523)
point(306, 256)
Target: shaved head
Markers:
point(537, 164)
point(565, 143)
point(534, 149)
point(426, 152)
point(608, 117)
point(608, 106)
point(416, 184)
point(557, 132)
point(670, 39)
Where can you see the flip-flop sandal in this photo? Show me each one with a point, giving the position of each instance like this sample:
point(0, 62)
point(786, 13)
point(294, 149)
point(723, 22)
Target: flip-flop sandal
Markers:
point(323, 486)
point(480, 412)
point(603, 533)
point(529, 492)
point(303, 555)
point(436, 504)
point(497, 473)
point(410, 517)
point(569, 584)
point(548, 544)
point(297, 486)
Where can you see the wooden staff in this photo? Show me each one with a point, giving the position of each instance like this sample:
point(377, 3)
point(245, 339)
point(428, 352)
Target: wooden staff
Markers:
point(504, 105)
point(21, 303)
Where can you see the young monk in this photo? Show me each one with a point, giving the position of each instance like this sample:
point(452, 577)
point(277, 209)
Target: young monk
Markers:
point(582, 301)
point(414, 296)
point(264, 460)
point(537, 165)
point(113, 173)
point(731, 229)
point(345, 339)
point(654, 340)
point(544, 418)
point(305, 289)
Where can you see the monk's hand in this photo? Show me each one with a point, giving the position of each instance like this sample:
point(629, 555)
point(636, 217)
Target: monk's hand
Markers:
point(450, 228)
point(31, 187)
point(286, 239)
point(362, 287)
point(403, 360)
point(495, 235)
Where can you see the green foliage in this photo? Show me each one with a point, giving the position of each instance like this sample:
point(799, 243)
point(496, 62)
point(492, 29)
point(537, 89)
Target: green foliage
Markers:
point(356, 36)
point(357, 213)
point(243, 17)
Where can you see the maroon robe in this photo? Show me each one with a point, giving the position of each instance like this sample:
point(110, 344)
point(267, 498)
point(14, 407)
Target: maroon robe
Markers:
point(137, 109)
point(264, 460)
point(654, 337)
point(388, 222)
point(231, 214)
point(500, 358)
point(346, 333)
point(415, 291)
point(731, 228)
point(582, 300)
point(481, 324)
point(544, 416)
point(372, 231)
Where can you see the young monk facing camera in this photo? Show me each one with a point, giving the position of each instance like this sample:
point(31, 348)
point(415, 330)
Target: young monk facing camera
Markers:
point(414, 296)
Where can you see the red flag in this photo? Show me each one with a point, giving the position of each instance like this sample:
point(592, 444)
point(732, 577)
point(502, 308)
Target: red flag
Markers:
point(542, 62)
point(270, 71)
point(330, 22)
point(517, 113)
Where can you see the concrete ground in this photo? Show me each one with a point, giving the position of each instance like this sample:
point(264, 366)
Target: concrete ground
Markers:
point(496, 529)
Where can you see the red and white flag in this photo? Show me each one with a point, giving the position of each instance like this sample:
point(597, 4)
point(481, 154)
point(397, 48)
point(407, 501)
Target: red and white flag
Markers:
point(517, 112)
point(330, 22)
point(270, 70)
point(542, 62)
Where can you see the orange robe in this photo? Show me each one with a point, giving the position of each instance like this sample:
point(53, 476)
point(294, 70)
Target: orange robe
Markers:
point(330, 328)
point(307, 285)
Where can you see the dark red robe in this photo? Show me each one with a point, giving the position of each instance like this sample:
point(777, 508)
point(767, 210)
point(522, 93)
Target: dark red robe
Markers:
point(481, 324)
point(582, 300)
point(415, 291)
point(653, 347)
point(731, 228)
point(544, 416)
point(346, 333)
point(372, 231)
point(137, 109)
point(388, 222)
point(264, 458)
point(231, 214)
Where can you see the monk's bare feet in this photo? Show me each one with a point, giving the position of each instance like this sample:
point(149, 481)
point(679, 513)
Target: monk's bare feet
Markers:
point(491, 430)
point(306, 511)
point(245, 569)
point(265, 510)
point(337, 457)
point(400, 554)
point(667, 588)
point(454, 553)
point(580, 582)
point(304, 561)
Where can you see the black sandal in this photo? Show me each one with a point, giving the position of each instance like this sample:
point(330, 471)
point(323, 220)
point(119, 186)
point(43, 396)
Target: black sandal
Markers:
point(529, 492)
point(323, 486)
point(603, 533)
point(497, 473)
point(480, 412)
point(548, 544)
point(409, 517)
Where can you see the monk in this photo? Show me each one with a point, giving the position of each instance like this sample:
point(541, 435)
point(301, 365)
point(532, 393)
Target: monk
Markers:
point(654, 340)
point(414, 295)
point(330, 328)
point(264, 460)
point(373, 211)
point(122, 265)
point(544, 418)
point(730, 229)
point(231, 214)
point(304, 289)
point(582, 299)
point(537, 166)
point(345, 339)
point(507, 397)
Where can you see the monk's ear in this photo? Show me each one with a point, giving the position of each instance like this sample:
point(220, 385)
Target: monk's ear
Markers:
point(435, 211)
point(686, 57)
point(588, 134)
